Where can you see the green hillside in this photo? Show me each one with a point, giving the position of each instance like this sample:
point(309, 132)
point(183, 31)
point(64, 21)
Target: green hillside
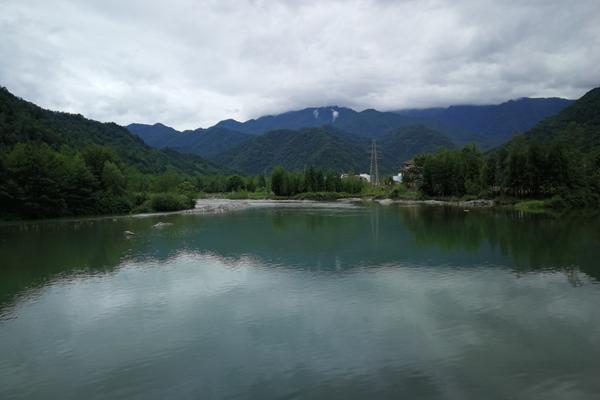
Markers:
point(22, 121)
point(405, 143)
point(56, 164)
point(206, 143)
point(294, 150)
point(329, 148)
point(577, 125)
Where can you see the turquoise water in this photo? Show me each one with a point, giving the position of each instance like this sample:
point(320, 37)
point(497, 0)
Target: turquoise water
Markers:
point(339, 301)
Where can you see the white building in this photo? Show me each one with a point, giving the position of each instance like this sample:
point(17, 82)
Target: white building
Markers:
point(397, 178)
point(365, 177)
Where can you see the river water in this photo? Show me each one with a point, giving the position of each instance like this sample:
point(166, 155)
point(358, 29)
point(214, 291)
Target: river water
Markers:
point(334, 301)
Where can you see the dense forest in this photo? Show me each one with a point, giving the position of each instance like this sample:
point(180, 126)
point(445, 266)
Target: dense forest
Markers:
point(37, 181)
point(522, 170)
point(59, 164)
point(313, 180)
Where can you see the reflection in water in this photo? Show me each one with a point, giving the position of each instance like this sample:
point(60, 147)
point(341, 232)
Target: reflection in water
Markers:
point(33, 253)
point(532, 242)
point(374, 302)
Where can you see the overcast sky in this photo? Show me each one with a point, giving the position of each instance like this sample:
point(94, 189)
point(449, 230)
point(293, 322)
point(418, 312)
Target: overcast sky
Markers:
point(191, 63)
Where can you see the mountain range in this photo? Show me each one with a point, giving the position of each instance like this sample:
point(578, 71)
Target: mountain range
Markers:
point(494, 124)
point(339, 138)
point(334, 137)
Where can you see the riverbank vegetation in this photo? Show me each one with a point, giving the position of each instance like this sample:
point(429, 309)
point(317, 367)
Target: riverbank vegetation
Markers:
point(556, 175)
point(37, 181)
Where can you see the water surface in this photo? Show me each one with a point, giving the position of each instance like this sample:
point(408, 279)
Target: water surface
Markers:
point(331, 302)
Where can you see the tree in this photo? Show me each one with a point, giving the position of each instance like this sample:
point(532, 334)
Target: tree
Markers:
point(250, 184)
point(34, 181)
point(472, 164)
point(186, 188)
point(333, 182)
point(235, 183)
point(279, 181)
point(95, 157)
point(167, 182)
point(113, 180)
point(262, 183)
point(80, 187)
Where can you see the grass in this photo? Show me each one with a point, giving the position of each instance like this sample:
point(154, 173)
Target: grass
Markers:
point(533, 206)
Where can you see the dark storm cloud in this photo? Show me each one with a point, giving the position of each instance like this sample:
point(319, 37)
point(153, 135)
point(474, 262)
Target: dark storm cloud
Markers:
point(191, 63)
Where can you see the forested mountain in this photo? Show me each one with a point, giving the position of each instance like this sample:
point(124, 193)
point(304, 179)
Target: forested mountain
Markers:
point(577, 125)
point(22, 121)
point(486, 126)
point(295, 150)
point(490, 125)
point(405, 143)
point(157, 135)
point(203, 142)
point(329, 148)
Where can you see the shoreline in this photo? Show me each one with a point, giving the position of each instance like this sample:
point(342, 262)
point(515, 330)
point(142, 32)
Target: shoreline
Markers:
point(220, 205)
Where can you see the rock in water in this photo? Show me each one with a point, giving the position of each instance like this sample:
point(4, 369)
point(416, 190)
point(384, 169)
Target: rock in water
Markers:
point(385, 202)
point(159, 225)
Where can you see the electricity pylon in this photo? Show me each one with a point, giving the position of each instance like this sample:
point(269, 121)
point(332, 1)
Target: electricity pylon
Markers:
point(374, 171)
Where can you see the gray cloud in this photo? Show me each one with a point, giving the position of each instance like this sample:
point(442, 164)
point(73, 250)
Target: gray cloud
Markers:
point(191, 63)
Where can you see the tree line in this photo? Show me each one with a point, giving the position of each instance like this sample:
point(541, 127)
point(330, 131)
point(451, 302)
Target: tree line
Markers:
point(38, 181)
point(313, 180)
point(524, 169)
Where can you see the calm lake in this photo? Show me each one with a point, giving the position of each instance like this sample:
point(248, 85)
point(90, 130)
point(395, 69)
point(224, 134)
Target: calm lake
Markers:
point(284, 302)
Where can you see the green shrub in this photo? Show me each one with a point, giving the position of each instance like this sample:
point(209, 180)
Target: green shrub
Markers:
point(398, 191)
point(138, 198)
point(109, 204)
point(556, 203)
point(170, 202)
point(143, 208)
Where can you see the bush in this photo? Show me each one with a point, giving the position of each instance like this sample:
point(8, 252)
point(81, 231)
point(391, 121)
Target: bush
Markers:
point(143, 208)
point(115, 204)
point(557, 203)
point(170, 202)
point(138, 198)
point(398, 191)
